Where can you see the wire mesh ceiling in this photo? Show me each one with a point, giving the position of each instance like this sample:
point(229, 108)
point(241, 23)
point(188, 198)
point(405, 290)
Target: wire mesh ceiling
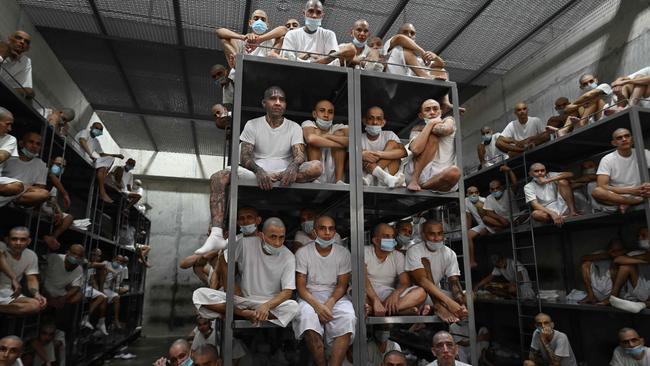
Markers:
point(151, 57)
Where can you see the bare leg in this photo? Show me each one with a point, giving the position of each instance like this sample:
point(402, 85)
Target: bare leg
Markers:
point(339, 348)
point(614, 199)
point(313, 153)
point(586, 278)
point(639, 92)
point(471, 235)
point(11, 189)
point(410, 303)
point(63, 226)
point(22, 306)
point(315, 345)
point(218, 183)
point(33, 197)
point(494, 223)
point(625, 272)
point(101, 180)
point(564, 188)
point(420, 161)
point(541, 216)
point(443, 181)
point(117, 175)
point(308, 171)
point(411, 60)
point(339, 156)
point(97, 303)
point(116, 312)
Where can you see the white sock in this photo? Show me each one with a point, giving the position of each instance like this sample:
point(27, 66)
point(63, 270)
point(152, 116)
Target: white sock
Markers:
point(215, 241)
point(384, 177)
point(101, 321)
point(84, 319)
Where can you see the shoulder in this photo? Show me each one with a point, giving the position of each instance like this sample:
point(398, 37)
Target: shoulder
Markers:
point(390, 135)
point(308, 123)
point(286, 254)
point(415, 251)
point(327, 32)
point(561, 337)
point(397, 255)
point(304, 252)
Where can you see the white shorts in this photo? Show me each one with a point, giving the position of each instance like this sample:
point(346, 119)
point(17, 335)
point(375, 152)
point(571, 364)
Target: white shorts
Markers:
point(344, 321)
point(642, 290)
point(601, 284)
point(383, 292)
point(430, 170)
point(49, 211)
point(558, 206)
point(93, 293)
point(243, 173)
point(104, 162)
point(284, 312)
point(5, 296)
point(110, 294)
point(480, 227)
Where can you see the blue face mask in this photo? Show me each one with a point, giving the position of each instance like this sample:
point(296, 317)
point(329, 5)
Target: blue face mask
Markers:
point(28, 154)
point(96, 132)
point(388, 245)
point(270, 249)
point(323, 125)
point(307, 226)
point(312, 24)
point(259, 27)
point(116, 266)
point(560, 111)
point(497, 194)
point(473, 198)
point(187, 362)
point(324, 243)
point(359, 44)
point(403, 239)
point(128, 168)
point(486, 139)
point(56, 170)
point(434, 245)
point(373, 130)
point(71, 260)
point(634, 352)
point(248, 229)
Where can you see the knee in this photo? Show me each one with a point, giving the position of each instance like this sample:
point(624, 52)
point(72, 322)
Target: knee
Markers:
point(452, 175)
point(529, 363)
point(420, 295)
point(598, 192)
point(31, 306)
point(220, 177)
point(40, 195)
point(75, 299)
point(315, 168)
point(563, 183)
point(12, 189)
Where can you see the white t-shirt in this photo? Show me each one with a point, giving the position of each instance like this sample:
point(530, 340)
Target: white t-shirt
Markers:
point(386, 273)
point(643, 72)
point(326, 153)
point(622, 171)
point(127, 179)
point(470, 208)
point(25, 266)
point(109, 282)
point(492, 152)
point(20, 68)
point(516, 131)
point(200, 339)
point(323, 41)
point(56, 278)
point(559, 345)
point(510, 272)
point(257, 51)
point(322, 272)
point(272, 145)
point(502, 206)
point(29, 172)
point(456, 363)
point(9, 144)
point(264, 276)
point(545, 194)
point(380, 143)
point(375, 356)
point(443, 262)
point(619, 358)
point(446, 155)
point(93, 143)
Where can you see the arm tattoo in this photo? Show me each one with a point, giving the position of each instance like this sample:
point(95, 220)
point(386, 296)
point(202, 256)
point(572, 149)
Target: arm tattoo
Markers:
point(456, 290)
point(248, 157)
point(298, 152)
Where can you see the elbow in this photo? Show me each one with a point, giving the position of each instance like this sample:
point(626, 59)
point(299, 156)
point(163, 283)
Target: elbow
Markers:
point(221, 33)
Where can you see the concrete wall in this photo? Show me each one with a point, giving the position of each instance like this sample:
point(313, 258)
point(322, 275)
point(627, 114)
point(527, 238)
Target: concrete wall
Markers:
point(180, 218)
point(613, 40)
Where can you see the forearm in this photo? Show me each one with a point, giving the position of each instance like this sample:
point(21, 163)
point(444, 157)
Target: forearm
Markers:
point(84, 145)
point(444, 129)
point(407, 43)
point(645, 80)
point(56, 182)
point(33, 285)
point(343, 141)
point(275, 33)
point(248, 157)
point(322, 141)
point(298, 152)
point(339, 291)
point(483, 282)
point(620, 190)
point(418, 144)
point(5, 268)
point(563, 175)
point(370, 291)
point(584, 98)
point(393, 154)
point(433, 290)
point(40, 351)
point(629, 260)
point(307, 296)
point(281, 297)
point(227, 34)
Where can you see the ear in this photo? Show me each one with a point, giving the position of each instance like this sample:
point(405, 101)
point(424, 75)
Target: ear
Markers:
point(313, 113)
point(258, 221)
point(420, 115)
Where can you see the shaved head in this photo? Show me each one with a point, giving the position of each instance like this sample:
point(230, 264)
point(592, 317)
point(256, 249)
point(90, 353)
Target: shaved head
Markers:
point(274, 91)
point(5, 114)
point(360, 22)
point(272, 222)
point(619, 131)
point(313, 3)
point(259, 12)
point(536, 166)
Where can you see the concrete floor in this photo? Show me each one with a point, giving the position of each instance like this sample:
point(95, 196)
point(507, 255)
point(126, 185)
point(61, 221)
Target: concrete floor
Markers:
point(147, 350)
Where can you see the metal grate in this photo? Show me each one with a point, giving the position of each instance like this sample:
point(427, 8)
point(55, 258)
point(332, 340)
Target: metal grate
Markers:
point(209, 139)
point(127, 130)
point(66, 14)
point(204, 91)
point(201, 17)
point(151, 20)
point(172, 134)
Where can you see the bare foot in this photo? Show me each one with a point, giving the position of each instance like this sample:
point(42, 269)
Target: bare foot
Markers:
point(445, 314)
point(51, 242)
point(105, 198)
point(412, 311)
point(414, 187)
point(250, 315)
point(574, 213)
point(426, 310)
point(551, 129)
point(417, 327)
point(366, 309)
point(603, 303)
point(588, 300)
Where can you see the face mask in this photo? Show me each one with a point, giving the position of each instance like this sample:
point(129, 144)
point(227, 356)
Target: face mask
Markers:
point(56, 170)
point(589, 171)
point(312, 24)
point(248, 229)
point(403, 239)
point(71, 260)
point(307, 226)
point(382, 335)
point(323, 124)
point(116, 266)
point(387, 245)
point(259, 27)
point(634, 352)
point(590, 87)
point(96, 132)
point(187, 362)
point(537, 180)
point(217, 82)
point(128, 168)
point(270, 249)
point(28, 154)
point(373, 130)
point(359, 44)
point(644, 244)
point(497, 194)
point(473, 198)
point(559, 110)
point(434, 245)
point(486, 139)
point(324, 243)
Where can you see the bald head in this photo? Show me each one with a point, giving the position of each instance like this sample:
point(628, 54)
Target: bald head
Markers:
point(11, 348)
point(259, 13)
point(5, 114)
point(274, 91)
point(205, 355)
point(361, 22)
point(19, 42)
point(77, 249)
point(543, 318)
point(272, 222)
point(311, 4)
point(394, 358)
point(620, 131)
point(408, 30)
point(382, 229)
point(324, 220)
point(536, 166)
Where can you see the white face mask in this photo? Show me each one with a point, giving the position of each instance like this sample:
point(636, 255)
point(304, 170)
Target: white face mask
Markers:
point(644, 244)
point(589, 171)
point(434, 245)
point(323, 124)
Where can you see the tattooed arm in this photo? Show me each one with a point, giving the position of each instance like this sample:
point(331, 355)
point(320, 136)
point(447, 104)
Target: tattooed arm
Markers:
point(290, 174)
point(248, 162)
point(456, 289)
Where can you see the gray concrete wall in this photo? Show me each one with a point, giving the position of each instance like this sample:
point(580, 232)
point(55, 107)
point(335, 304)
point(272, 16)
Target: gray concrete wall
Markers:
point(179, 218)
point(613, 40)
